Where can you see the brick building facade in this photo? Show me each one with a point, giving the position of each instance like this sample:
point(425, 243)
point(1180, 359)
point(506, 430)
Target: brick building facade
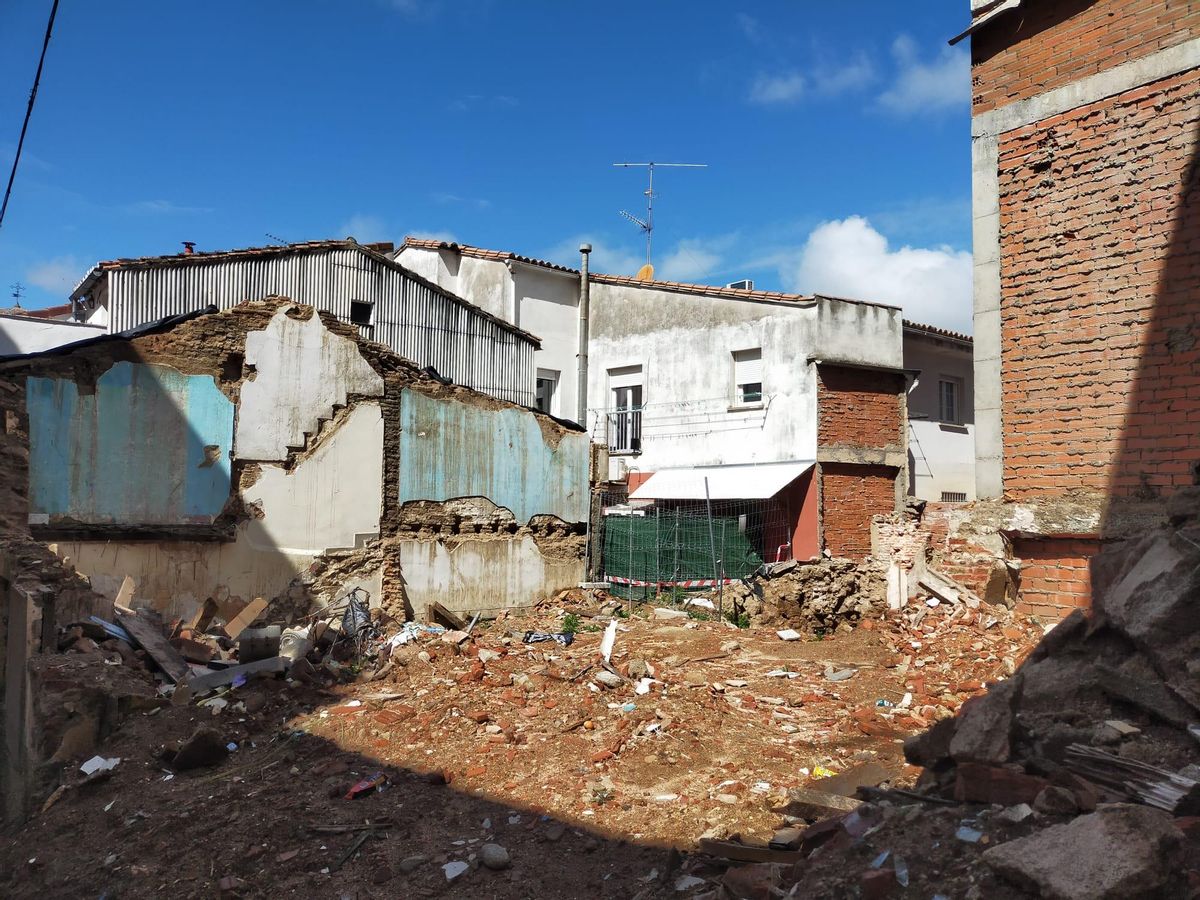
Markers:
point(860, 451)
point(1087, 277)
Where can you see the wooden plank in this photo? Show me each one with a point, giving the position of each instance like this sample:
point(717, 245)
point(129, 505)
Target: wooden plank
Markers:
point(748, 852)
point(146, 630)
point(812, 804)
point(247, 617)
point(436, 611)
point(201, 683)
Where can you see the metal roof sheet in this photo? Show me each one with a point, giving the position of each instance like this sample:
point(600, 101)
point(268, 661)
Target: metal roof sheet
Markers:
point(742, 482)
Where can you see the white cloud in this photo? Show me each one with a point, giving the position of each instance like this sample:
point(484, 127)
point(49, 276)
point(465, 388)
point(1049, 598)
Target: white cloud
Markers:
point(57, 275)
point(454, 199)
point(857, 73)
point(750, 26)
point(927, 86)
point(768, 90)
point(606, 257)
point(849, 258)
point(364, 228)
point(693, 259)
point(163, 208)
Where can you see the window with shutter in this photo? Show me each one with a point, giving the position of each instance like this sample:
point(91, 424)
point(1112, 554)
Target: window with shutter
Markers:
point(747, 377)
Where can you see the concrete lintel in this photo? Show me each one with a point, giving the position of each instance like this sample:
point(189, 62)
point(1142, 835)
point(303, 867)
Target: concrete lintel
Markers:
point(1135, 73)
point(863, 456)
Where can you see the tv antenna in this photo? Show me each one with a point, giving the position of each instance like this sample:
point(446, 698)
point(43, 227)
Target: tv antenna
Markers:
point(17, 290)
point(647, 224)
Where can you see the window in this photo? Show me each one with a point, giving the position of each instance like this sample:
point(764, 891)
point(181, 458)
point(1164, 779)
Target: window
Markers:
point(747, 377)
point(949, 392)
point(625, 419)
point(547, 391)
point(360, 312)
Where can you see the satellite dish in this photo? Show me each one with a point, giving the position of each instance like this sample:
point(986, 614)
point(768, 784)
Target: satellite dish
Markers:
point(645, 273)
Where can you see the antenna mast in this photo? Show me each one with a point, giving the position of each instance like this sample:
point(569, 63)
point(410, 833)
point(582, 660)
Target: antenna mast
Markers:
point(647, 225)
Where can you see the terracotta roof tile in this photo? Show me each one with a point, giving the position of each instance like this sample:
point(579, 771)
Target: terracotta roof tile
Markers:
point(939, 332)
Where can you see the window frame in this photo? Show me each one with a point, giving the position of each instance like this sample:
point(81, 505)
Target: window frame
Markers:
point(740, 400)
point(370, 306)
point(952, 381)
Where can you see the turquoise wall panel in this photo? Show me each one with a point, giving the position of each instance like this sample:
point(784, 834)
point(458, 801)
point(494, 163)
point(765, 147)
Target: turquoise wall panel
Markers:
point(450, 449)
point(148, 446)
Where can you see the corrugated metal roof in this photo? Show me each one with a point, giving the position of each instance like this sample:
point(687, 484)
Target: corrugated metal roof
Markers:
point(753, 482)
point(253, 253)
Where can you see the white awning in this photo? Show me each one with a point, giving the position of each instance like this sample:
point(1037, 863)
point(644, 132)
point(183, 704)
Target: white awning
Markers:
point(724, 482)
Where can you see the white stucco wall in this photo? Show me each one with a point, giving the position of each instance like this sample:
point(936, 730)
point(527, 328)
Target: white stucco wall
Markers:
point(19, 335)
point(548, 306)
point(942, 453)
point(684, 344)
point(483, 576)
point(302, 370)
point(333, 497)
point(485, 282)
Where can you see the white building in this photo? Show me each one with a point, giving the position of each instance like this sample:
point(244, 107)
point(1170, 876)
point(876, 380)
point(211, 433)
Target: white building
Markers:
point(941, 413)
point(683, 378)
point(25, 331)
point(359, 283)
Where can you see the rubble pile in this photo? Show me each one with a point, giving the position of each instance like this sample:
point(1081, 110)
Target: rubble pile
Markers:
point(812, 596)
point(1078, 777)
point(539, 732)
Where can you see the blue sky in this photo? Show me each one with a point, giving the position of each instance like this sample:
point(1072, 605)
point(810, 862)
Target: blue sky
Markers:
point(836, 135)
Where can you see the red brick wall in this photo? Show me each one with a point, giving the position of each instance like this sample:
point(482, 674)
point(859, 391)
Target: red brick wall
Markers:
point(1049, 43)
point(850, 496)
point(953, 554)
point(858, 408)
point(1055, 579)
point(1099, 295)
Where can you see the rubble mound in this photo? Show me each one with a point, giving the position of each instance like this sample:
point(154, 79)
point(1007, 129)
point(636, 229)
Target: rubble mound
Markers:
point(1077, 777)
point(815, 596)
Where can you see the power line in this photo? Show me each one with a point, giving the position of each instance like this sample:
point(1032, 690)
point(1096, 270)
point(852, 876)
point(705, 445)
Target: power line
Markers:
point(28, 112)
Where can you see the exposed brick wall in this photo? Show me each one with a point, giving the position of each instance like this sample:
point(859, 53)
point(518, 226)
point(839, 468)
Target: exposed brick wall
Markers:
point(1050, 43)
point(859, 408)
point(1055, 577)
point(1100, 250)
point(952, 550)
point(850, 496)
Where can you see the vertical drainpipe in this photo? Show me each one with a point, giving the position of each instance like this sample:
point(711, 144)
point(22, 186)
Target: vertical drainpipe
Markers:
point(584, 301)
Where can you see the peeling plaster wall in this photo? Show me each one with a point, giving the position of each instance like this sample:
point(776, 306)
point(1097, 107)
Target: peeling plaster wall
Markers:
point(333, 498)
point(146, 445)
point(302, 372)
point(450, 449)
point(482, 576)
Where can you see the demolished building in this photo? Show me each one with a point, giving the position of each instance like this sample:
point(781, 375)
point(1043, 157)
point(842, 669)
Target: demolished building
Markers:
point(358, 283)
point(270, 451)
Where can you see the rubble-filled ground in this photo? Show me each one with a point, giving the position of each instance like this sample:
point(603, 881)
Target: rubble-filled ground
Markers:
point(587, 787)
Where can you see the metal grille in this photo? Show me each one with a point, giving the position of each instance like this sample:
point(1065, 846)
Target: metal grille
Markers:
point(667, 547)
point(954, 497)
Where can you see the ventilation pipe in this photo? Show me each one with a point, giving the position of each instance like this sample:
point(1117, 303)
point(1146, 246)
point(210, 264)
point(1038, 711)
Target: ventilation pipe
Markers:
point(584, 298)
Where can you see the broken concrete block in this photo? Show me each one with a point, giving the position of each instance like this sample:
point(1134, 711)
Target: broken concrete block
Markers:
point(1119, 852)
point(979, 783)
point(669, 615)
point(806, 803)
point(985, 725)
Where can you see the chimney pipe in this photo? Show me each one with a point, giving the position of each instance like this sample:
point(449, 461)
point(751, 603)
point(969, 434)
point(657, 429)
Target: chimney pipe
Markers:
point(189, 247)
point(584, 302)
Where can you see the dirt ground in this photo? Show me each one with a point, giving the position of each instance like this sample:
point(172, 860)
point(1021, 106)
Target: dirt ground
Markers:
point(590, 789)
